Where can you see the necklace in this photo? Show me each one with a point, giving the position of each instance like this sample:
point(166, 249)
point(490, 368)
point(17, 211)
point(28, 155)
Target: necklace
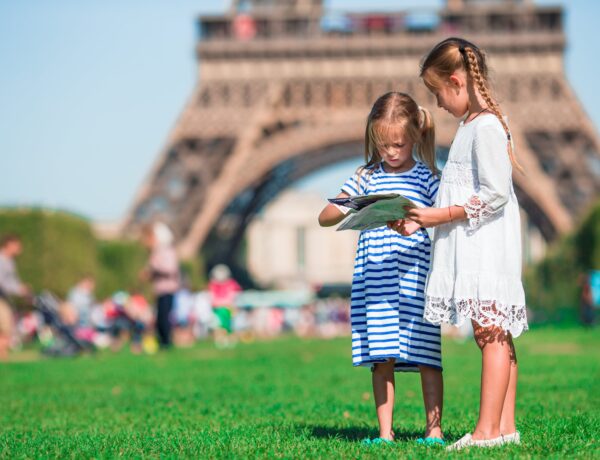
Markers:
point(478, 113)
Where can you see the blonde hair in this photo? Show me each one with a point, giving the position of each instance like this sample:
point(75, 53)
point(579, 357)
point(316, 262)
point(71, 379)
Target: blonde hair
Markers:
point(454, 54)
point(398, 112)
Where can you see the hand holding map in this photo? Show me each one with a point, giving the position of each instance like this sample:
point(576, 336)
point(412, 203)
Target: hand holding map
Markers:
point(372, 211)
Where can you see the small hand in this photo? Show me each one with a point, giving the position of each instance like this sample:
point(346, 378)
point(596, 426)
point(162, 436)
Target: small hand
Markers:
point(405, 227)
point(409, 227)
point(427, 217)
point(396, 225)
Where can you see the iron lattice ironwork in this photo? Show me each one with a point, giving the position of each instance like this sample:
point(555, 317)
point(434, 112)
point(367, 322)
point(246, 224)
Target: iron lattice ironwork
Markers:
point(283, 92)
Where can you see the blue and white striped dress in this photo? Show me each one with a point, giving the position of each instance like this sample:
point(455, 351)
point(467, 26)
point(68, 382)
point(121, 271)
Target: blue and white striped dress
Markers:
point(389, 279)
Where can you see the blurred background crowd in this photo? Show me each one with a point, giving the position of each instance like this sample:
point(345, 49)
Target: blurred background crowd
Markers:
point(163, 311)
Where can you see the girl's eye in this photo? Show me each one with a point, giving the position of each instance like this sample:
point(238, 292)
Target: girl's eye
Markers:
point(399, 146)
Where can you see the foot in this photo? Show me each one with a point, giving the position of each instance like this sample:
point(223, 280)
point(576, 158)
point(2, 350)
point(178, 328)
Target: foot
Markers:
point(390, 437)
point(431, 442)
point(376, 442)
point(434, 433)
point(468, 441)
point(512, 438)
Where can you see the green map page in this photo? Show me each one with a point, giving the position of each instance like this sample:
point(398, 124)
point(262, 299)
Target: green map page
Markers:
point(377, 214)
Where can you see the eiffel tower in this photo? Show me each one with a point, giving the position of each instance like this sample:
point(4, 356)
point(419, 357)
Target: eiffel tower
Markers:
point(284, 89)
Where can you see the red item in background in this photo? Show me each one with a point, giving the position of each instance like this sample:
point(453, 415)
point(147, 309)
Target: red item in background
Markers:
point(244, 27)
point(378, 23)
point(110, 309)
point(222, 293)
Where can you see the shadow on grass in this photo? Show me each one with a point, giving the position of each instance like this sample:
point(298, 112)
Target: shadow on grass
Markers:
point(355, 433)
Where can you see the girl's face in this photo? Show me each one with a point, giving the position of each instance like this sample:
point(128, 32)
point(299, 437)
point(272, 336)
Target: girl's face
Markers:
point(452, 95)
point(396, 152)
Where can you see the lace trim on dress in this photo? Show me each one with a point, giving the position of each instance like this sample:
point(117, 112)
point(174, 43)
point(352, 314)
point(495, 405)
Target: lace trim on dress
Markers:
point(511, 318)
point(477, 211)
point(459, 174)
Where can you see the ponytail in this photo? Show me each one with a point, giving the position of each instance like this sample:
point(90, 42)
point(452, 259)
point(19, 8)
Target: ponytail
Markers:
point(426, 146)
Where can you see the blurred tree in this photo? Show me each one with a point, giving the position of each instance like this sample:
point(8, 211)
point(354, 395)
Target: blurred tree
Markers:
point(553, 286)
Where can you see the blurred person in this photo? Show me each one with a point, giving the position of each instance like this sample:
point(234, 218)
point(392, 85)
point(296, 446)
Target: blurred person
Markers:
point(119, 321)
point(182, 317)
point(202, 315)
point(81, 300)
point(140, 317)
point(586, 300)
point(391, 268)
point(101, 318)
point(223, 291)
point(10, 285)
point(130, 315)
point(306, 324)
point(276, 318)
point(242, 325)
point(162, 271)
point(29, 325)
point(81, 297)
point(260, 321)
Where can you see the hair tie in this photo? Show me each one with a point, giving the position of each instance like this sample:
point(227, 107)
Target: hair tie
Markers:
point(463, 54)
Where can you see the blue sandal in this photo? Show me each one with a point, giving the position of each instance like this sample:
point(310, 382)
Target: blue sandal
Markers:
point(376, 442)
point(431, 442)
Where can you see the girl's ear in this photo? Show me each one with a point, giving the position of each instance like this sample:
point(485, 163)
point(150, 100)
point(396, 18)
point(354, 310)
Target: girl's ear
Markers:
point(455, 81)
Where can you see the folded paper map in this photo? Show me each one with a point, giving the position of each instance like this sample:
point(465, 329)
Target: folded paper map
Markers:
point(358, 202)
point(372, 211)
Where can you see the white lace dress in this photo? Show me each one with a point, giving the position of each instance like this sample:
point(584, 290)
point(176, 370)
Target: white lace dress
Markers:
point(476, 264)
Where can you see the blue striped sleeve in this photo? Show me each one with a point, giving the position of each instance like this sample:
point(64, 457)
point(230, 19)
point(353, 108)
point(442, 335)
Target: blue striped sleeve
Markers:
point(356, 185)
point(433, 185)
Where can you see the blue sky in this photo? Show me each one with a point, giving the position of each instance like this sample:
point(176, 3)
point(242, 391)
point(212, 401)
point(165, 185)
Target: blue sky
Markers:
point(90, 89)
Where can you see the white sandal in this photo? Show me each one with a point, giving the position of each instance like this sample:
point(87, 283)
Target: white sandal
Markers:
point(468, 441)
point(513, 438)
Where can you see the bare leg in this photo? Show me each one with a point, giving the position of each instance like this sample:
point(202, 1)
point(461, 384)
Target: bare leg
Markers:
point(383, 390)
point(507, 421)
point(432, 384)
point(495, 376)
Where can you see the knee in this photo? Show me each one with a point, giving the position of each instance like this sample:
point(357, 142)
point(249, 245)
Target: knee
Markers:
point(490, 335)
point(428, 370)
point(383, 368)
point(480, 341)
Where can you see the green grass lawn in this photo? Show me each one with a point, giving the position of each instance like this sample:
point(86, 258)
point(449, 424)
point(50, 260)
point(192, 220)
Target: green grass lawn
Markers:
point(287, 398)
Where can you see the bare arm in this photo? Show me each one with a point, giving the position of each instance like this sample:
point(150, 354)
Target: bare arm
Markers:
point(331, 215)
point(431, 217)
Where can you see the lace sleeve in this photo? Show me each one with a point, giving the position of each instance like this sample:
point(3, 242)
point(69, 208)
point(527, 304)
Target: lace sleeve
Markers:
point(477, 212)
point(493, 169)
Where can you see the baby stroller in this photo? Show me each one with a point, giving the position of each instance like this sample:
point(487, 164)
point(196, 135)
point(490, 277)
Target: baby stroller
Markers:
point(62, 341)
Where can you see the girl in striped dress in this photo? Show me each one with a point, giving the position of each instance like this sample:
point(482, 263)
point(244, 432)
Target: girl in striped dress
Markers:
point(388, 330)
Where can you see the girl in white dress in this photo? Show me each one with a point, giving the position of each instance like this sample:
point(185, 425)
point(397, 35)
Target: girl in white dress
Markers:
point(476, 264)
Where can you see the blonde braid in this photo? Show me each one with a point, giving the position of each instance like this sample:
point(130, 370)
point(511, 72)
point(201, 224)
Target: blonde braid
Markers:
point(475, 74)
